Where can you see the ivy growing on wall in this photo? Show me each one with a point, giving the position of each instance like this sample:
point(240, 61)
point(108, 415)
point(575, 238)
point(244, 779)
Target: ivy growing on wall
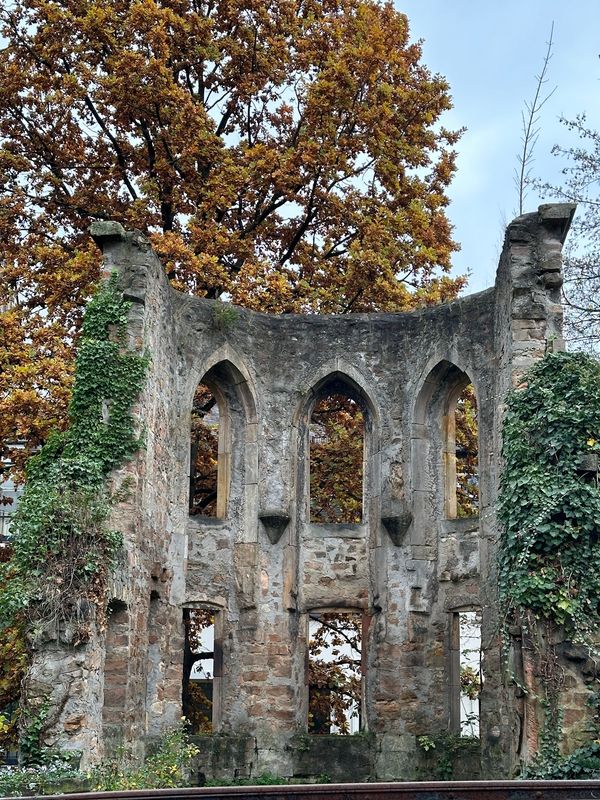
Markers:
point(62, 545)
point(549, 507)
point(550, 499)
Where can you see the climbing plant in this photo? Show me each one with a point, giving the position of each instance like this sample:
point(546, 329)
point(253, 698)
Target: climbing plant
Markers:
point(549, 507)
point(582, 763)
point(62, 545)
point(550, 499)
point(13, 663)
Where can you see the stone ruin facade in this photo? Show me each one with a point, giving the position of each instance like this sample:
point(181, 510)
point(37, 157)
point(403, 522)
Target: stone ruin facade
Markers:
point(408, 568)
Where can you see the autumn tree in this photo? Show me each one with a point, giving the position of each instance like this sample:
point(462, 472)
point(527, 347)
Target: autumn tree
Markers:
point(204, 456)
point(336, 460)
point(197, 695)
point(285, 154)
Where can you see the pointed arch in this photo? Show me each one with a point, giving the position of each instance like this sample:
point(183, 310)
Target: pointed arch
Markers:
point(338, 370)
point(236, 372)
point(228, 438)
point(443, 373)
point(445, 393)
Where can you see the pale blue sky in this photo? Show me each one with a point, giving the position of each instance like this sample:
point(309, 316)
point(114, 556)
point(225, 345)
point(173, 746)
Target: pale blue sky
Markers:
point(490, 54)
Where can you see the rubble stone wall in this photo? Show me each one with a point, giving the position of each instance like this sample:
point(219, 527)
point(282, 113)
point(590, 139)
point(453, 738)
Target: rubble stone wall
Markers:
point(408, 567)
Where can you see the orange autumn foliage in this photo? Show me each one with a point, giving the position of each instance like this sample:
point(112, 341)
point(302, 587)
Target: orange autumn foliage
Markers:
point(13, 664)
point(284, 153)
point(337, 429)
point(467, 454)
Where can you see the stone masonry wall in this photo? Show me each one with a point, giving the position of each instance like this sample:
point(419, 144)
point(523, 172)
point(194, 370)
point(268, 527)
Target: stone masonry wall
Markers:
point(407, 566)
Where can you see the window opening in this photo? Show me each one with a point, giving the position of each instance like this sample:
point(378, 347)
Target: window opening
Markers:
point(204, 460)
point(461, 455)
point(467, 455)
point(336, 436)
point(200, 665)
point(9, 499)
point(467, 654)
point(335, 673)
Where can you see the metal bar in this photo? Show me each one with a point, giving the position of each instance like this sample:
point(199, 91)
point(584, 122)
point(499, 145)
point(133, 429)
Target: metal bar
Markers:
point(438, 790)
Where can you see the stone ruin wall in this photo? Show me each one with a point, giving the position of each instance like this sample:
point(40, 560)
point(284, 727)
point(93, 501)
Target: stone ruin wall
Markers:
point(407, 566)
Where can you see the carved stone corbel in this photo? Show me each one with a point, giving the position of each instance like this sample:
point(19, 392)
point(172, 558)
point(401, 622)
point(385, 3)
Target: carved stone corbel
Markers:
point(274, 522)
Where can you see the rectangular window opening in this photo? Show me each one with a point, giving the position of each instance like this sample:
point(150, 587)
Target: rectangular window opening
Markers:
point(201, 669)
point(467, 673)
point(9, 500)
point(335, 673)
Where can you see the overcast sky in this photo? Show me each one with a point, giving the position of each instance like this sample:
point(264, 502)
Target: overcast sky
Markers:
point(490, 54)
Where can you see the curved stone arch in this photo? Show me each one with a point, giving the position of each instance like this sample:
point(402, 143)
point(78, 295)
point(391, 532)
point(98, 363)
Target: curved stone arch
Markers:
point(347, 373)
point(433, 439)
point(225, 373)
point(462, 601)
point(431, 377)
point(240, 374)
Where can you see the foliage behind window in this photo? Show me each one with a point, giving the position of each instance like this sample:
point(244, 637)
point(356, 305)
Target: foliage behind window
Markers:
point(467, 454)
point(337, 429)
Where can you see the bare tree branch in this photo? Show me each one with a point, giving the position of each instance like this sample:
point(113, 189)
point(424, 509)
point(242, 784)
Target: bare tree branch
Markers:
point(530, 126)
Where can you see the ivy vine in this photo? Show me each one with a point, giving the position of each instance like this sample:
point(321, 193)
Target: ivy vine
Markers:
point(62, 545)
point(549, 508)
point(549, 501)
point(582, 764)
